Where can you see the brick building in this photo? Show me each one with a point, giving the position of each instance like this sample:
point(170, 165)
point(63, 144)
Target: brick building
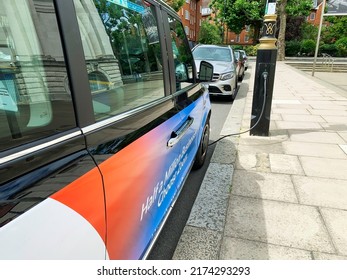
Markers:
point(316, 12)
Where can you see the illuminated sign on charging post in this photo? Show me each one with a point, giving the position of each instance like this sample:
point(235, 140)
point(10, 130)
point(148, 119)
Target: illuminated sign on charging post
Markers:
point(270, 7)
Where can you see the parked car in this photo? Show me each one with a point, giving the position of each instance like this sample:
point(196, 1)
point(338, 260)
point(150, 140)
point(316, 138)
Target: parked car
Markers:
point(246, 58)
point(225, 75)
point(240, 60)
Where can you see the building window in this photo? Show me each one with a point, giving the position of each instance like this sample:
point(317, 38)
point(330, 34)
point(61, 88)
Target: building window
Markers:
point(186, 29)
point(247, 28)
point(238, 38)
point(312, 16)
point(186, 15)
point(206, 11)
point(246, 38)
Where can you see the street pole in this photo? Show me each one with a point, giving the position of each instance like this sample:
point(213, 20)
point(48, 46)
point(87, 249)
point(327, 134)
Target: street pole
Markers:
point(318, 39)
point(264, 74)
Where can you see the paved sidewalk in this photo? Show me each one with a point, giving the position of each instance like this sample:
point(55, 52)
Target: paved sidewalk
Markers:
point(282, 196)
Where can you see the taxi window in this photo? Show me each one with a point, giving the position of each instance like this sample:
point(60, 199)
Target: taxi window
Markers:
point(122, 52)
point(34, 99)
point(182, 55)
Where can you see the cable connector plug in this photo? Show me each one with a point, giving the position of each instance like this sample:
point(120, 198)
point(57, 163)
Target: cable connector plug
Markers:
point(265, 74)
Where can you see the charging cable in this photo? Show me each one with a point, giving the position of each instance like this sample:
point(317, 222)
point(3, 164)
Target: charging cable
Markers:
point(265, 75)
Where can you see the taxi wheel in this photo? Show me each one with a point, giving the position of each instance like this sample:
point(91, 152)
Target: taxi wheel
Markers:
point(202, 151)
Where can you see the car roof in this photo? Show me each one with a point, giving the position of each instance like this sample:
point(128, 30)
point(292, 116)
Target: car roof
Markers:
point(212, 46)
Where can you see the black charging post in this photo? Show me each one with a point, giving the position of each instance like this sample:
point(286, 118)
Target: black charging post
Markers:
point(264, 74)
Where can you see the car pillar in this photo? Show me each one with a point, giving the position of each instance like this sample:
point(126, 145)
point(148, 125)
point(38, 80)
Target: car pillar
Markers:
point(264, 74)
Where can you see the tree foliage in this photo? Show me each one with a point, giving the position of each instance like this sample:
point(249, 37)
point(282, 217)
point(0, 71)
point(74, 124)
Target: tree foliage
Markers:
point(298, 7)
point(335, 30)
point(175, 4)
point(294, 25)
point(308, 31)
point(238, 13)
point(235, 14)
point(210, 33)
point(341, 46)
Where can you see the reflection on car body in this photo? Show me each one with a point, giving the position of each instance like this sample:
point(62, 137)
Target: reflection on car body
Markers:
point(240, 60)
point(245, 58)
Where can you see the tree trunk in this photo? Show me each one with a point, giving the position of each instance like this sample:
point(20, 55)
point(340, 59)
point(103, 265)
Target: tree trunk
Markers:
point(257, 25)
point(282, 30)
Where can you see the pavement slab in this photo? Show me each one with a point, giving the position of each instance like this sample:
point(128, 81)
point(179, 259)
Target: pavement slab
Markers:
point(298, 118)
point(286, 164)
point(321, 192)
point(278, 223)
point(286, 111)
point(335, 119)
point(343, 148)
point(325, 257)
point(334, 127)
point(246, 161)
point(325, 112)
point(343, 135)
point(336, 221)
point(263, 185)
point(325, 167)
point(315, 137)
point(314, 149)
point(240, 249)
point(258, 144)
point(299, 125)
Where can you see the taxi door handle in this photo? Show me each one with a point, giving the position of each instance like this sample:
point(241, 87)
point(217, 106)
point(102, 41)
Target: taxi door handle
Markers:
point(177, 135)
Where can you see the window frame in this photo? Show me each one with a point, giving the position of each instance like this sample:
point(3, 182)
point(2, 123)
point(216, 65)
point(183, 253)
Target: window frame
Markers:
point(33, 154)
point(166, 15)
point(30, 145)
point(164, 79)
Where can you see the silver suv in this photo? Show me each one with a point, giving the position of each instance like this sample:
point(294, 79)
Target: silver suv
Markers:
point(222, 58)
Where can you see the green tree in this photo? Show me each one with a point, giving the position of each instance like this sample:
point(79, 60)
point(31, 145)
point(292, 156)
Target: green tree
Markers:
point(308, 47)
point(284, 9)
point(293, 30)
point(335, 30)
point(175, 4)
point(210, 33)
point(309, 31)
point(235, 14)
point(341, 46)
point(238, 13)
